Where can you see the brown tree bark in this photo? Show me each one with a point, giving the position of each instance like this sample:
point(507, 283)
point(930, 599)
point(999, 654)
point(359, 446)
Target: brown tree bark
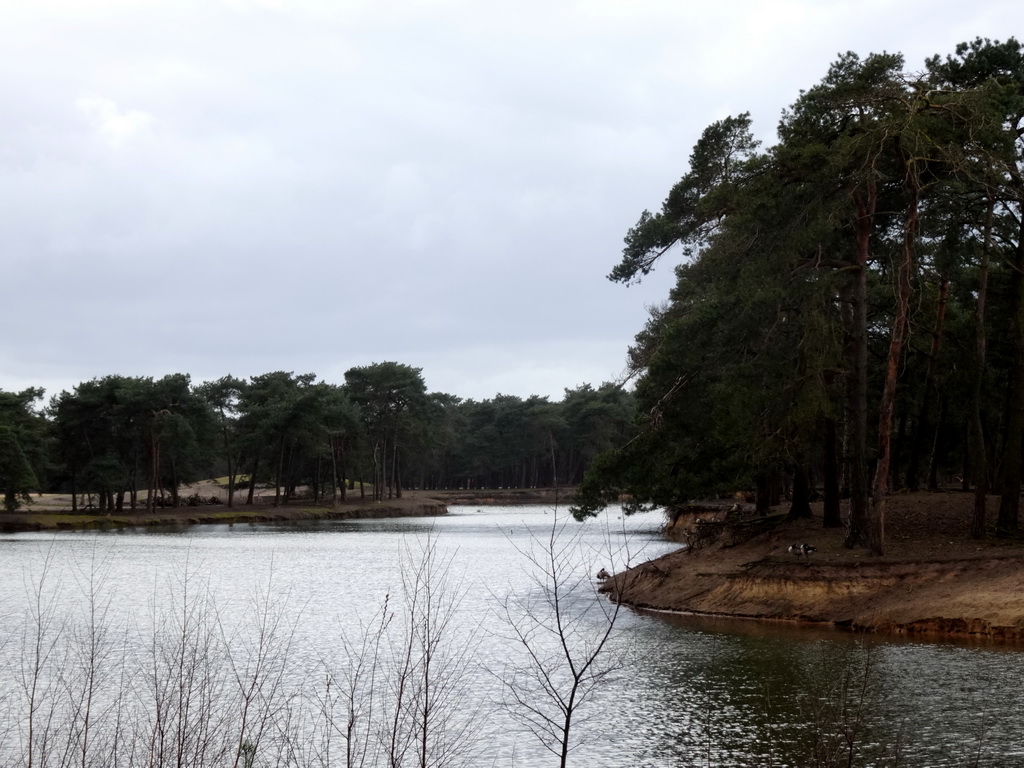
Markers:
point(979, 458)
point(880, 484)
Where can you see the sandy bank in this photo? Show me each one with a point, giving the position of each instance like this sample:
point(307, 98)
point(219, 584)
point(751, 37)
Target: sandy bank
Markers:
point(54, 513)
point(932, 579)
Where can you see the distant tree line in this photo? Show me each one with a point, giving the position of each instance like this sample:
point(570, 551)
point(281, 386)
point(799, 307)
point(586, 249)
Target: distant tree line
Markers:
point(849, 305)
point(123, 442)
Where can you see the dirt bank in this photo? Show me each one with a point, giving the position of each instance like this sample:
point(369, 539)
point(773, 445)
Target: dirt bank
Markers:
point(932, 579)
point(53, 512)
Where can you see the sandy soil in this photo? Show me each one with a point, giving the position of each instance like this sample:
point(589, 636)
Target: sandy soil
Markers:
point(207, 489)
point(61, 502)
point(932, 578)
point(53, 511)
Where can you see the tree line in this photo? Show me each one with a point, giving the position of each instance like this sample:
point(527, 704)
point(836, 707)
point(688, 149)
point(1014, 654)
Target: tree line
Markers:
point(133, 442)
point(849, 304)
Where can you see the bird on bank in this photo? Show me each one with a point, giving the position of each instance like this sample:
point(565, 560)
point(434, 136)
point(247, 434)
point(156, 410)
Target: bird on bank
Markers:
point(602, 575)
point(802, 550)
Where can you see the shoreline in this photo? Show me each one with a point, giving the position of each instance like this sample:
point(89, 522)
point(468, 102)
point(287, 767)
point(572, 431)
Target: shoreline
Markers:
point(933, 582)
point(52, 512)
point(64, 520)
point(908, 632)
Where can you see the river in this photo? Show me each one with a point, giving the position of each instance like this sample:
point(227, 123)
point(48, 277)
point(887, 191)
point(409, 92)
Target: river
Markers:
point(683, 691)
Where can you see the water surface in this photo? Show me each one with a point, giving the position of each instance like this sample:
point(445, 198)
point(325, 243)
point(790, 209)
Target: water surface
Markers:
point(694, 692)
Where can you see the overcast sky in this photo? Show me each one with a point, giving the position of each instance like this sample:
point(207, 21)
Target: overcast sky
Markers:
point(243, 186)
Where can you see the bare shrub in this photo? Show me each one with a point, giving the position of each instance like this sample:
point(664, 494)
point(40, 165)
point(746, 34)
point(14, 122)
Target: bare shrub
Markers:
point(395, 695)
point(566, 637)
point(839, 716)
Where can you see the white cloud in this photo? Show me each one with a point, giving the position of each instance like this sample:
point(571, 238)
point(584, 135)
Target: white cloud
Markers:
point(115, 126)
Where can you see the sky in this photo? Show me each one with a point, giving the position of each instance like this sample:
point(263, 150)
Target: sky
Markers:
point(220, 187)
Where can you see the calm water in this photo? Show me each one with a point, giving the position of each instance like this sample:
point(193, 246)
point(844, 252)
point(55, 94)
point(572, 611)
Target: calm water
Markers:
point(694, 692)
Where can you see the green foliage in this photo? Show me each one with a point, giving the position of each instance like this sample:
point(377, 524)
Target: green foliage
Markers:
point(696, 204)
point(381, 431)
point(22, 446)
point(119, 435)
point(785, 297)
point(16, 475)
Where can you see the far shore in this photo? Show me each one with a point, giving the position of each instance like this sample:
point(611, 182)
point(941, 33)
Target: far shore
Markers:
point(51, 512)
point(38, 520)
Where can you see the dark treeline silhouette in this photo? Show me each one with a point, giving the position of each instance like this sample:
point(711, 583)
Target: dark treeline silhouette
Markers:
point(125, 442)
point(849, 306)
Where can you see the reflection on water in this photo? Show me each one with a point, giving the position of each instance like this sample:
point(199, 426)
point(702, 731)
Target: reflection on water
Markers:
point(741, 693)
point(698, 692)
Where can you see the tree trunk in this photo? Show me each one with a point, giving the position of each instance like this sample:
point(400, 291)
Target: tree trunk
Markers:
point(380, 453)
point(832, 518)
point(933, 459)
point(801, 502)
point(384, 476)
point(763, 495)
point(921, 426)
point(231, 468)
point(857, 395)
point(1009, 503)
point(337, 484)
point(317, 481)
point(154, 471)
point(278, 475)
point(288, 476)
point(979, 457)
point(395, 472)
point(343, 477)
point(252, 481)
point(174, 481)
point(880, 484)
point(133, 485)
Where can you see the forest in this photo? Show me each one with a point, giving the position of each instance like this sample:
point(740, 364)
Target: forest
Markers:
point(848, 314)
point(847, 322)
point(125, 442)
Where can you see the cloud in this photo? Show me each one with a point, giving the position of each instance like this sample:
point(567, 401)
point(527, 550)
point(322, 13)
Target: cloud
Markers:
point(115, 126)
point(216, 186)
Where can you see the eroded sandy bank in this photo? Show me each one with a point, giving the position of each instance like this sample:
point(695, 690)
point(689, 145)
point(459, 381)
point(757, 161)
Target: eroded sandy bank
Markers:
point(933, 579)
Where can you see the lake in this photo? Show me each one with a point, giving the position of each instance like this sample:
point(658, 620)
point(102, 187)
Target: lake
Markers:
point(135, 618)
